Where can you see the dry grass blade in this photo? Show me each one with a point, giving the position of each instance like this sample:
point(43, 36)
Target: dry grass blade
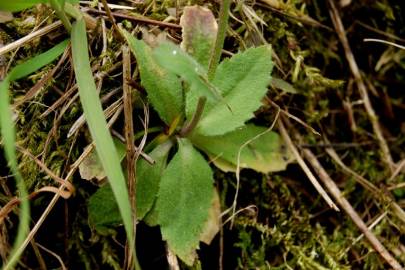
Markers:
point(337, 22)
point(29, 37)
point(305, 167)
point(346, 206)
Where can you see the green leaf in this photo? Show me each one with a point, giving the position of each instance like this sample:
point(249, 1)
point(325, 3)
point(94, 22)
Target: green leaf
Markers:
point(243, 81)
point(98, 125)
point(184, 200)
point(148, 178)
point(264, 154)
point(8, 137)
point(103, 209)
point(35, 63)
point(104, 214)
point(164, 88)
point(172, 58)
point(18, 5)
point(199, 31)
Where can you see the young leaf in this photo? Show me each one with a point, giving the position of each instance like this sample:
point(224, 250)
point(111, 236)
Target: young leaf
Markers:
point(148, 178)
point(164, 88)
point(8, 137)
point(265, 154)
point(172, 58)
point(98, 125)
point(184, 200)
point(199, 31)
point(243, 81)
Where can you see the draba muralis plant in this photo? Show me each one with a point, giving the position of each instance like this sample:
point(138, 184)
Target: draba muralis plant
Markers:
point(204, 112)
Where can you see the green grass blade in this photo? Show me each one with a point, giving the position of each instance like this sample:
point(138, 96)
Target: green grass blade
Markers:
point(97, 124)
point(18, 5)
point(37, 62)
point(7, 131)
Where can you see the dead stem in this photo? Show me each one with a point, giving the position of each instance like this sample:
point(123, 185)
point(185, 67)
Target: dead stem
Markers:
point(304, 166)
point(337, 22)
point(137, 19)
point(344, 203)
point(130, 149)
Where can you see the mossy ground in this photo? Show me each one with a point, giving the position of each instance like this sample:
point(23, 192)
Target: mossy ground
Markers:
point(286, 224)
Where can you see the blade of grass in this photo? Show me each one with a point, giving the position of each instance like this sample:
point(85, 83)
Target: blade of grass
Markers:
point(97, 124)
point(7, 131)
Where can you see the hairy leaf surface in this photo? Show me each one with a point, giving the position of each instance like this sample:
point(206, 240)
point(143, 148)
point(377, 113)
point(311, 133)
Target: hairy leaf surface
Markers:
point(172, 58)
point(164, 88)
point(184, 200)
point(199, 31)
point(148, 178)
point(243, 81)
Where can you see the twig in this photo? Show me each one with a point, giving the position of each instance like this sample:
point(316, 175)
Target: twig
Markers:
point(304, 167)
point(137, 19)
point(18, 43)
point(131, 149)
point(337, 22)
point(386, 34)
point(112, 19)
point(346, 206)
point(367, 184)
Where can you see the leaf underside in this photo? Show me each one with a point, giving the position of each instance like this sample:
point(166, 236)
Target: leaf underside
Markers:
point(199, 31)
point(265, 154)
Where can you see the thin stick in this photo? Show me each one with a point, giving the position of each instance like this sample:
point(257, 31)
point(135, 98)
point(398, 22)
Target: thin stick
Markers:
point(131, 150)
point(400, 213)
point(304, 167)
point(137, 19)
point(346, 206)
point(18, 43)
point(337, 22)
